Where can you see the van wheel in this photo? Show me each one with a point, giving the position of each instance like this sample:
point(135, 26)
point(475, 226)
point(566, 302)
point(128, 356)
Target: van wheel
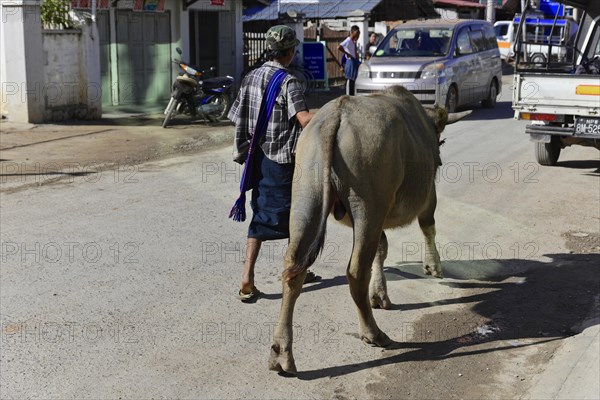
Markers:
point(490, 102)
point(452, 99)
point(547, 153)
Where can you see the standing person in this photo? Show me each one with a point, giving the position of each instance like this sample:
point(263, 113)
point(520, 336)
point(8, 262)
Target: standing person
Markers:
point(348, 47)
point(372, 42)
point(269, 157)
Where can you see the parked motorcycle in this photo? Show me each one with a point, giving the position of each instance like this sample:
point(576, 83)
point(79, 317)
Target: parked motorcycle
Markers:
point(209, 98)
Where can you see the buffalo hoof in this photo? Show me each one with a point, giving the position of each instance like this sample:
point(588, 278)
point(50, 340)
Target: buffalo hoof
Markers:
point(380, 300)
point(379, 340)
point(282, 361)
point(433, 270)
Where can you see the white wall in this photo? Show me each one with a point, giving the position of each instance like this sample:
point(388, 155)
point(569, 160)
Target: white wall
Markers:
point(22, 89)
point(447, 14)
point(2, 62)
point(72, 87)
point(381, 27)
point(61, 67)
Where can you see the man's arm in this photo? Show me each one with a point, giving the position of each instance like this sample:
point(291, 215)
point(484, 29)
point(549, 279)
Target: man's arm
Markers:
point(343, 50)
point(304, 117)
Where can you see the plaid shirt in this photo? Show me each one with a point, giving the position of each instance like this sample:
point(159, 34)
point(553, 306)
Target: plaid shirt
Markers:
point(279, 142)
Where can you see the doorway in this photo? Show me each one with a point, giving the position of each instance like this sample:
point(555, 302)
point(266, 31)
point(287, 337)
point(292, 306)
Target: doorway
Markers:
point(204, 40)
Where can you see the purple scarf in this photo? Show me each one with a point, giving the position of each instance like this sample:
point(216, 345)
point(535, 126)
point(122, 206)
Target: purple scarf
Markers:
point(238, 212)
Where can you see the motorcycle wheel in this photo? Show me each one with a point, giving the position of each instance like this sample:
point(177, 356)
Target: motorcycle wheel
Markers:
point(224, 101)
point(169, 111)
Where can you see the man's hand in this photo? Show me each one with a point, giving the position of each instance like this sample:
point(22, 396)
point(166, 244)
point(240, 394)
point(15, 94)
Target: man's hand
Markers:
point(304, 118)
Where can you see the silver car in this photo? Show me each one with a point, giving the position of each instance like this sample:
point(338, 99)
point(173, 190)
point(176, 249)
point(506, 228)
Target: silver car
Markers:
point(447, 63)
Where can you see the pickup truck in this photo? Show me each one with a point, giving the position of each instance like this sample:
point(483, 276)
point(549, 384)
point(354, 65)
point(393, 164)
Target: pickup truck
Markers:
point(561, 97)
point(537, 28)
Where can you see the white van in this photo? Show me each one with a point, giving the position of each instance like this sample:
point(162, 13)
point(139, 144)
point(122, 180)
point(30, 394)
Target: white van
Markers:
point(504, 36)
point(444, 63)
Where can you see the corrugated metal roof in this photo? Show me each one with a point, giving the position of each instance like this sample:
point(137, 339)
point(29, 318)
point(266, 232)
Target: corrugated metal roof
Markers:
point(322, 9)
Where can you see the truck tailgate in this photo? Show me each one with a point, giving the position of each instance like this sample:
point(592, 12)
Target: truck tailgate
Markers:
point(557, 94)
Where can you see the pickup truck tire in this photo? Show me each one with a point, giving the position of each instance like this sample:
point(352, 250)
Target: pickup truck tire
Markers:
point(490, 102)
point(547, 153)
point(452, 99)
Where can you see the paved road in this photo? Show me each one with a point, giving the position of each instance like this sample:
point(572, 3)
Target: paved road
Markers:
point(120, 284)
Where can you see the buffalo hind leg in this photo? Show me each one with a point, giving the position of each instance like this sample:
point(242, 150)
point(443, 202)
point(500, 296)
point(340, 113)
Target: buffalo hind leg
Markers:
point(431, 261)
point(378, 288)
point(359, 274)
point(281, 358)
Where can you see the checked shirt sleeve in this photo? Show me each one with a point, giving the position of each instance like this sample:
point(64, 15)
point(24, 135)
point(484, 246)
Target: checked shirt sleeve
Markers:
point(296, 101)
point(239, 114)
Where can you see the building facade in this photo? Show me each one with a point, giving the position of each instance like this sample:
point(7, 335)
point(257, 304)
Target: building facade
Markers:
point(137, 47)
point(137, 41)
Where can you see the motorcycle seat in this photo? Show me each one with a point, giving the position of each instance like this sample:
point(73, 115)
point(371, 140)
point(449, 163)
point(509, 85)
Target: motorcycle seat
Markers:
point(188, 80)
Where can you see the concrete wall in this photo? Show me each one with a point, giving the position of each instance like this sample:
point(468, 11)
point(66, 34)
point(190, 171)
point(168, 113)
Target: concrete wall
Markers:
point(52, 75)
point(61, 74)
point(22, 79)
point(72, 74)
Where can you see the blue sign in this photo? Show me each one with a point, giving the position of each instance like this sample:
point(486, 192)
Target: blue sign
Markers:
point(314, 60)
point(551, 7)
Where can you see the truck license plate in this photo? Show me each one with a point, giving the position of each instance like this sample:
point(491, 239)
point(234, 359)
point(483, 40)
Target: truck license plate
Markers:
point(587, 126)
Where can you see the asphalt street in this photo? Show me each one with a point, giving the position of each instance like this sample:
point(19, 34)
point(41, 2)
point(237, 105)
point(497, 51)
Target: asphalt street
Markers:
point(122, 283)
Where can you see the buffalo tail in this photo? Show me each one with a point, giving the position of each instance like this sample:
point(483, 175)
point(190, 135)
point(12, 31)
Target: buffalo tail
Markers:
point(328, 136)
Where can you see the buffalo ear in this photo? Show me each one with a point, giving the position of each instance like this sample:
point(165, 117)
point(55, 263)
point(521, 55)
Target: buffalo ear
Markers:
point(439, 117)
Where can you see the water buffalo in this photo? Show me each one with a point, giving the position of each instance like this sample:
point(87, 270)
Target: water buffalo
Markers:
point(377, 156)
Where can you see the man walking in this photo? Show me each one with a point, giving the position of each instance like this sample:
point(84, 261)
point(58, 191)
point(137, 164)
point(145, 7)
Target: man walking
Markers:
point(269, 113)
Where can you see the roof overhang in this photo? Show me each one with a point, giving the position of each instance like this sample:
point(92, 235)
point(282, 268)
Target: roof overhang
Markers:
point(592, 7)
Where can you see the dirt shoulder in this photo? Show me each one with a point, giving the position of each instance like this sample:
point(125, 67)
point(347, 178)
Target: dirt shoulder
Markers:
point(47, 153)
point(43, 154)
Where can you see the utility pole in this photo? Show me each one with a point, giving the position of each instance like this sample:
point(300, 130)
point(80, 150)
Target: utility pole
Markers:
point(491, 12)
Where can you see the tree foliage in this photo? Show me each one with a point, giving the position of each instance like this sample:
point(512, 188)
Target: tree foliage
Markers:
point(55, 14)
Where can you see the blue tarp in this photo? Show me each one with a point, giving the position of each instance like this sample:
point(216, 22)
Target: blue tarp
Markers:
point(322, 9)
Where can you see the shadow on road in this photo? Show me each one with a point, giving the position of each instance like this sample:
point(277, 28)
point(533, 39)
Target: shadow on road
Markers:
point(503, 110)
point(543, 305)
point(311, 287)
point(47, 174)
point(582, 164)
point(149, 120)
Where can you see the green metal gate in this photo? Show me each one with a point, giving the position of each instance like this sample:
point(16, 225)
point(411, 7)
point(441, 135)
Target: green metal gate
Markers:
point(103, 24)
point(143, 57)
